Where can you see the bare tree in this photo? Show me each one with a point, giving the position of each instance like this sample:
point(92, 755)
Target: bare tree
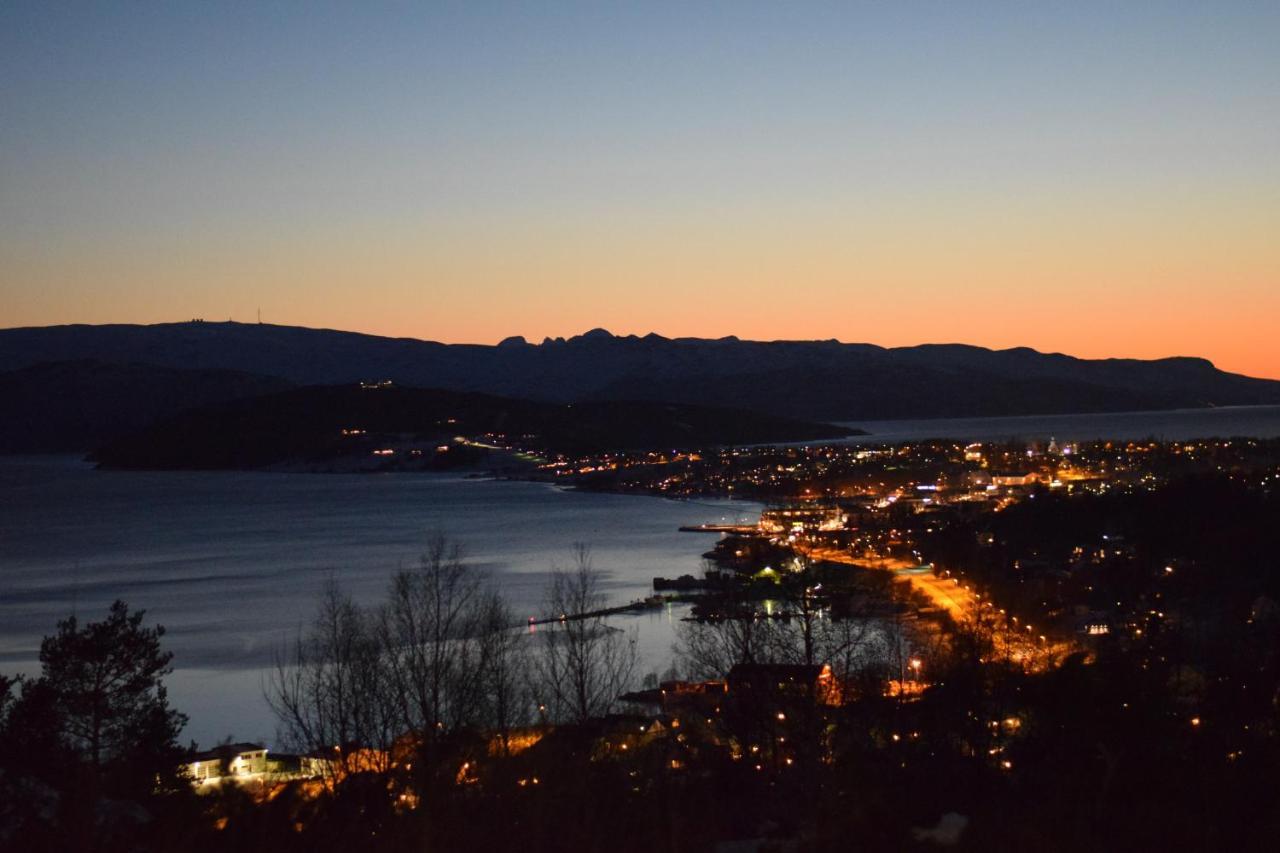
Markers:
point(738, 633)
point(442, 653)
point(847, 643)
point(329, 689)
point(430, 630)
point(503, 665)
point(799, 626)
point(584, 663)
point(805, 622)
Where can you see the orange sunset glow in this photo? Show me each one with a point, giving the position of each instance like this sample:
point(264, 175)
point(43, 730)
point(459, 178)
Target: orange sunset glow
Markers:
point(1040, 180)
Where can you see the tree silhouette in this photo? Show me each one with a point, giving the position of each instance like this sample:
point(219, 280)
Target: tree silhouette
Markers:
point(89, 758)
point(105, 689)
point(585, 664)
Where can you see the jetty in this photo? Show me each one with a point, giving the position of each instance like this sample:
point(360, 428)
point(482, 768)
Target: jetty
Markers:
point(718, 528)
point(653, 602)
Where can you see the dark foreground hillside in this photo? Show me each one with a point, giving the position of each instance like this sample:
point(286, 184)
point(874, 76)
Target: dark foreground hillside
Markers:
point(1161, 735)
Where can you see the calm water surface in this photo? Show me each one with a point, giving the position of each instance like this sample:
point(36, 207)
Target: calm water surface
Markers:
point(231, 563)
point(1173, 425)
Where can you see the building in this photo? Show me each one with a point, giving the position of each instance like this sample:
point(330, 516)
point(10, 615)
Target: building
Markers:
point(1094, 623)
point(253, 763)
point(675, 697)
point(1014, 479)
point(232, 760)
point(782, 680)
point(802, 519)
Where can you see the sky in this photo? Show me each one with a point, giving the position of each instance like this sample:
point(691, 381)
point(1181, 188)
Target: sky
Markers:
point(1100, 179)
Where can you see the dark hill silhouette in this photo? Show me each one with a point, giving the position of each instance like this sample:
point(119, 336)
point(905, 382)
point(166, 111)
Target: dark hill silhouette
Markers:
point(825, 380)
point(79, 405)
point(306, 425)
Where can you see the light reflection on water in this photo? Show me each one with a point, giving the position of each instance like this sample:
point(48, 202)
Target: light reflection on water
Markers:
point(231, 562)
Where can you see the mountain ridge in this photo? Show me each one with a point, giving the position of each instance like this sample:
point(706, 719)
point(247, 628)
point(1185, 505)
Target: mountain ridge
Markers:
point(825, 380)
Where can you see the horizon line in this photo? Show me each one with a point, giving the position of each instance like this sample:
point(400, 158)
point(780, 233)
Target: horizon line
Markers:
point(601, 333)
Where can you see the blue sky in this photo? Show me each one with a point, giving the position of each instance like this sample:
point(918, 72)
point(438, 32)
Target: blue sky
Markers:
point(466, 171)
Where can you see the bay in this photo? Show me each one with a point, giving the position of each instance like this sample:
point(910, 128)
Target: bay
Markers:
point(231, 563)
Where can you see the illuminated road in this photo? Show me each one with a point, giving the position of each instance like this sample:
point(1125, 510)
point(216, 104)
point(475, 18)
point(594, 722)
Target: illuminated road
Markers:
point(1012, 641)
point(959, 602)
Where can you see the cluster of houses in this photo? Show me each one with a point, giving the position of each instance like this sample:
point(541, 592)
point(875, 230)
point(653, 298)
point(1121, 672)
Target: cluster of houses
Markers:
point(778, 686)
point(811, 683)
point(248, 763)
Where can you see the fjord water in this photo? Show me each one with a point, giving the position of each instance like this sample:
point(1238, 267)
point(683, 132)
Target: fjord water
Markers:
point(1171, 425)
point(231, 563)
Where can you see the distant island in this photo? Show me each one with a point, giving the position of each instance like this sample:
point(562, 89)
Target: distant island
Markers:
point(385, 427)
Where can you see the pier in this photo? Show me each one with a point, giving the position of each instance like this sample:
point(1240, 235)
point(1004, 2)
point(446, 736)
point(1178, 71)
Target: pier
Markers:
point(653, 602)
point(718, 528)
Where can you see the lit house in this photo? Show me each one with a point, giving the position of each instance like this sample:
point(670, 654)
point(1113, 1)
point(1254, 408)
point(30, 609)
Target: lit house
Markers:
point(234, 761)
point(1012, 479)
point(1095, 623)
point(802, 519)
point(251, 764)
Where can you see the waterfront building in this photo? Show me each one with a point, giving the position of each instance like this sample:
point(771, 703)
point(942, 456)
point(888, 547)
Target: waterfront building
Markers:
point(803, 518)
